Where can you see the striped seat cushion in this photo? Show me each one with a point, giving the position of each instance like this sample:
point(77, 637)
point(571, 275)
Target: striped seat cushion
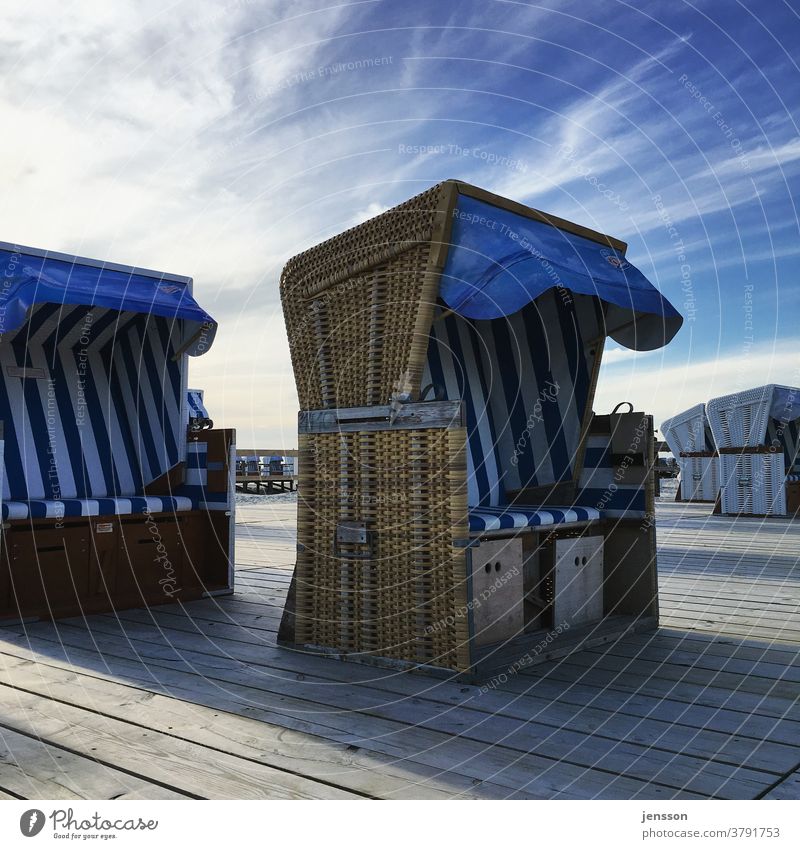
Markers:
point(509, 518)
point(793, 477)
point(72, 507)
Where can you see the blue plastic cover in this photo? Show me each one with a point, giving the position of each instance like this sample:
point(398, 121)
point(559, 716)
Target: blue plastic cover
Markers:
point(27, 279)
point(499, 261)
point(785, 405)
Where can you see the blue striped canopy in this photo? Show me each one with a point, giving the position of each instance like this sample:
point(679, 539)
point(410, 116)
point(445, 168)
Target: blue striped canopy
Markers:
point(28, 278)
point(499, 261)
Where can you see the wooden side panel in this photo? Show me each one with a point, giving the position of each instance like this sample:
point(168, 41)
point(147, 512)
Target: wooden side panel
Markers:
point(168, 482)
point(48, 569)
point(150, 559)
point(205, 545)
point(219, 451)
point(630, 567)
point(792, 498)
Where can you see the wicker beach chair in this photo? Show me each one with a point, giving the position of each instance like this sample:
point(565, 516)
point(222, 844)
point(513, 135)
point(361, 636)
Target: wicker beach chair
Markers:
point(691, 441)
point(108, 500)
point(756, 432)
point(460, 502)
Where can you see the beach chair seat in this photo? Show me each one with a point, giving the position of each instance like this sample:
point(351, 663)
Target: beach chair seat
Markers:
point(511, 517)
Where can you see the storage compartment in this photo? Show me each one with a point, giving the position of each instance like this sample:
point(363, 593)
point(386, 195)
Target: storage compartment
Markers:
point(104, 544)
point(205, 542)
point(699, 478)
point(753, 484)
point(150, 565)
point(520, 588)
point(578, 581)
point(48, 570)
point(497, 590)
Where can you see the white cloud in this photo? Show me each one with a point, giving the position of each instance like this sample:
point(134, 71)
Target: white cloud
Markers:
point(203, 139)
point(664, 389)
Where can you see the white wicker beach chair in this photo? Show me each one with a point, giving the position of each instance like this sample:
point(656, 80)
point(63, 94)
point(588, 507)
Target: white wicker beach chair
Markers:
point(691, 441)
point(756, 432)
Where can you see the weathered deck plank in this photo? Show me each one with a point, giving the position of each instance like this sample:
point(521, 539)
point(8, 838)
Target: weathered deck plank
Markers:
point(32, 768)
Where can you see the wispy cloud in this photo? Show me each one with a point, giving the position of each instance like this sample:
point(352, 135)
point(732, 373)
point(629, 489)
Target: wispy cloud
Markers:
point(218, 139)
point(670, 388)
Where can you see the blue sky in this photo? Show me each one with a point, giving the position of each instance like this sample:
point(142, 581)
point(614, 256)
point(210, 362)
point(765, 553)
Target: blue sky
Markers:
point(218, 139)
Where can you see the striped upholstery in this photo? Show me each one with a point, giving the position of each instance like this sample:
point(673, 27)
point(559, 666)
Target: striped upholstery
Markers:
point(524, 381)
point(90, 399)
point(195, 486)
point(793, 477)
point(509, 518)
point(599, 488)
point(194, 402)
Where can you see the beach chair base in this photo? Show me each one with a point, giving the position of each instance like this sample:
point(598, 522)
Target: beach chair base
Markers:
point(699, 480)
point(532, 595)
point(753, 482)
point(83, 565)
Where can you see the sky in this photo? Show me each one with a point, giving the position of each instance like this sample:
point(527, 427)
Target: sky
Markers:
point(217, 139)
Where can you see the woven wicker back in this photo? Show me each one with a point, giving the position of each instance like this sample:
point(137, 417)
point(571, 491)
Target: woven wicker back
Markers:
point(358, 307)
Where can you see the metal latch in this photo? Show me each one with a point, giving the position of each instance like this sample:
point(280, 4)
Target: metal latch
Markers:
point(353, 533)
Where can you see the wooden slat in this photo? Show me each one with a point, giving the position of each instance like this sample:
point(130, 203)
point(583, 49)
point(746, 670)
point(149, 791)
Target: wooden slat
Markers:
point(788, 788)
point(157, 757)
point(642, 761)
point(33, 768)
point(488, 768)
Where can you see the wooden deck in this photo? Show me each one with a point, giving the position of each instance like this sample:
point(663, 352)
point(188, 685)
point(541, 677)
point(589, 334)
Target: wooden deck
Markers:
point(270, 484)
point(199, 702)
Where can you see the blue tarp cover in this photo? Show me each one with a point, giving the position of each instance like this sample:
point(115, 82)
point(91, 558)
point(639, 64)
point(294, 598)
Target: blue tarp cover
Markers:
point(499, 261)
point(785, 404)
point(27, 280)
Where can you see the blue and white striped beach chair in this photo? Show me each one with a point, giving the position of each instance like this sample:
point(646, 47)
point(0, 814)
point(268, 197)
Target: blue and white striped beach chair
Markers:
point(96, 460)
